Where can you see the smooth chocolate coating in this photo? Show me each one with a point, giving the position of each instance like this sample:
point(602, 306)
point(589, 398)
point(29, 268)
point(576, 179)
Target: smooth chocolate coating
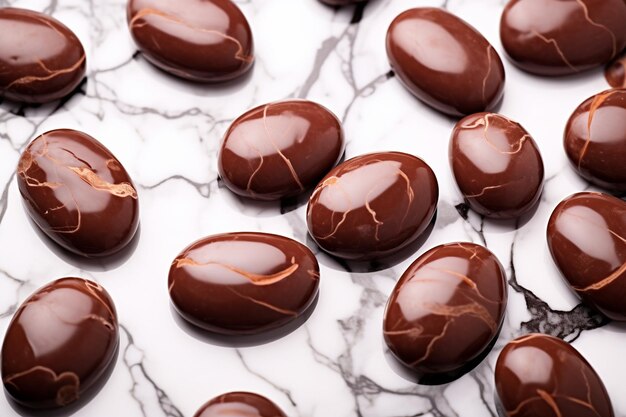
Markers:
point(243, 283)
point(595, 139)
point(446, 308)
point(280, 149)
point(558, 37)
point(78, 193)
point(497, 165)
point(41, 60)
point(587, 240)
point(59, 343)
point(373, 205)
point(542, 376)
point(240, 404)
point(615, 72)
point(445, 62)
point(199, 40)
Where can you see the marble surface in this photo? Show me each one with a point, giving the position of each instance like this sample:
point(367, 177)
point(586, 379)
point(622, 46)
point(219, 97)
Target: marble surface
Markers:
point(166, 132)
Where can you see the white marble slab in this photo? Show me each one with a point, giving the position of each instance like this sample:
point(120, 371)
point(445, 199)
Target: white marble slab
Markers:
point(166, 132)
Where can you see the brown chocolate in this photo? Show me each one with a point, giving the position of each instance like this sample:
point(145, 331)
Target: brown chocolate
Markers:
point(615, 72)
point(497, 165)
point(199, 40)
point(446, 309)
point(557, 37)
point(243, 283)
point(587, 240)
point(542, 376)
point(371, 206)
point(41, 61)
point(595, 139)
point(78, 193)
point(280, 149)
point(445, 62)
point(59, 343)
point(240, 404)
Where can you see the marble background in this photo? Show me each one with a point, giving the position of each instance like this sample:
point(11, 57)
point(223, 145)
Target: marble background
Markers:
point(166, 132)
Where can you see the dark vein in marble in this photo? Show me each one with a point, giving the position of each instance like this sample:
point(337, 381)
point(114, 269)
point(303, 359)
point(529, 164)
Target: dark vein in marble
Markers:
point(20, 283)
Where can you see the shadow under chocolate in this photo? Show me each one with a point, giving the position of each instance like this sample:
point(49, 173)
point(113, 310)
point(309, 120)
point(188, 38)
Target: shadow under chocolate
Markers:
point(243, 340)
point(74, 407)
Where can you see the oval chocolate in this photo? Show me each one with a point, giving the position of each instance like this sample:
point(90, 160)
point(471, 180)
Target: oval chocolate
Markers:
point(240, 404)
point(199, 40)
point(615, 72)
point(595, 139)
point(587, 240)
point(557, 37)
point(78, 193)
point(496, 165)
point(243, 283)
point(446, 309)
point(41, 61)
point(280, 149)
point(542, 376)
point(60, 342)
point(445, 62)
point(373, 205)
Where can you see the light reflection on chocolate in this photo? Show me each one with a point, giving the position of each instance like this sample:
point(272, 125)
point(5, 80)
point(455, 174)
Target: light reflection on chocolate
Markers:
point(240, 404)
point(615, 72)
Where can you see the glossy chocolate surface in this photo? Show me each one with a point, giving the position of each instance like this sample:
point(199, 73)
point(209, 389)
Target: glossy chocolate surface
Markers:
point(557, 37)
point(542, 376)
point(373, 205)
point(445, 62)
point(595, 139)
point(615, 72)
point(280, 149)
point(496, 164)
point(587, 239)
point(243, 283)
point(446, 308)
point(59, 343)
point(199, 40)
point(78, 193)
point(41, 60)
point(240, 404)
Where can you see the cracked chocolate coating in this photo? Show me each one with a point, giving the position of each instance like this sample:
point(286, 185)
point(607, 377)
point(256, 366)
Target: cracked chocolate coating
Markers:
point(243, 283)
point(199, 40)
point(587, 240)
point(59, 343)
point(595, 139)
point(280, 149)
point(445, 62)
point(240, 404)
point(41, 60)
point(78, 193)
point(373, 205)
point(558, 37)
point(497, 165)
point(615, 72)
point(446, 309)
point(542, 376)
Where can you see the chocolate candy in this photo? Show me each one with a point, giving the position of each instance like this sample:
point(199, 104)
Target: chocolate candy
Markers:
point(240, 404)
point(199, 40)
point(446, 309)
point(556, 37)
point(59, 343)
point(542, 376)
point(373, 205)
point(78, 193)
point(41, 61)
point(243, 283)
point(444, 61)
point(595, 139)
point(615, 72)
point(496, 165)
point(587, 239)
point(280, 149)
